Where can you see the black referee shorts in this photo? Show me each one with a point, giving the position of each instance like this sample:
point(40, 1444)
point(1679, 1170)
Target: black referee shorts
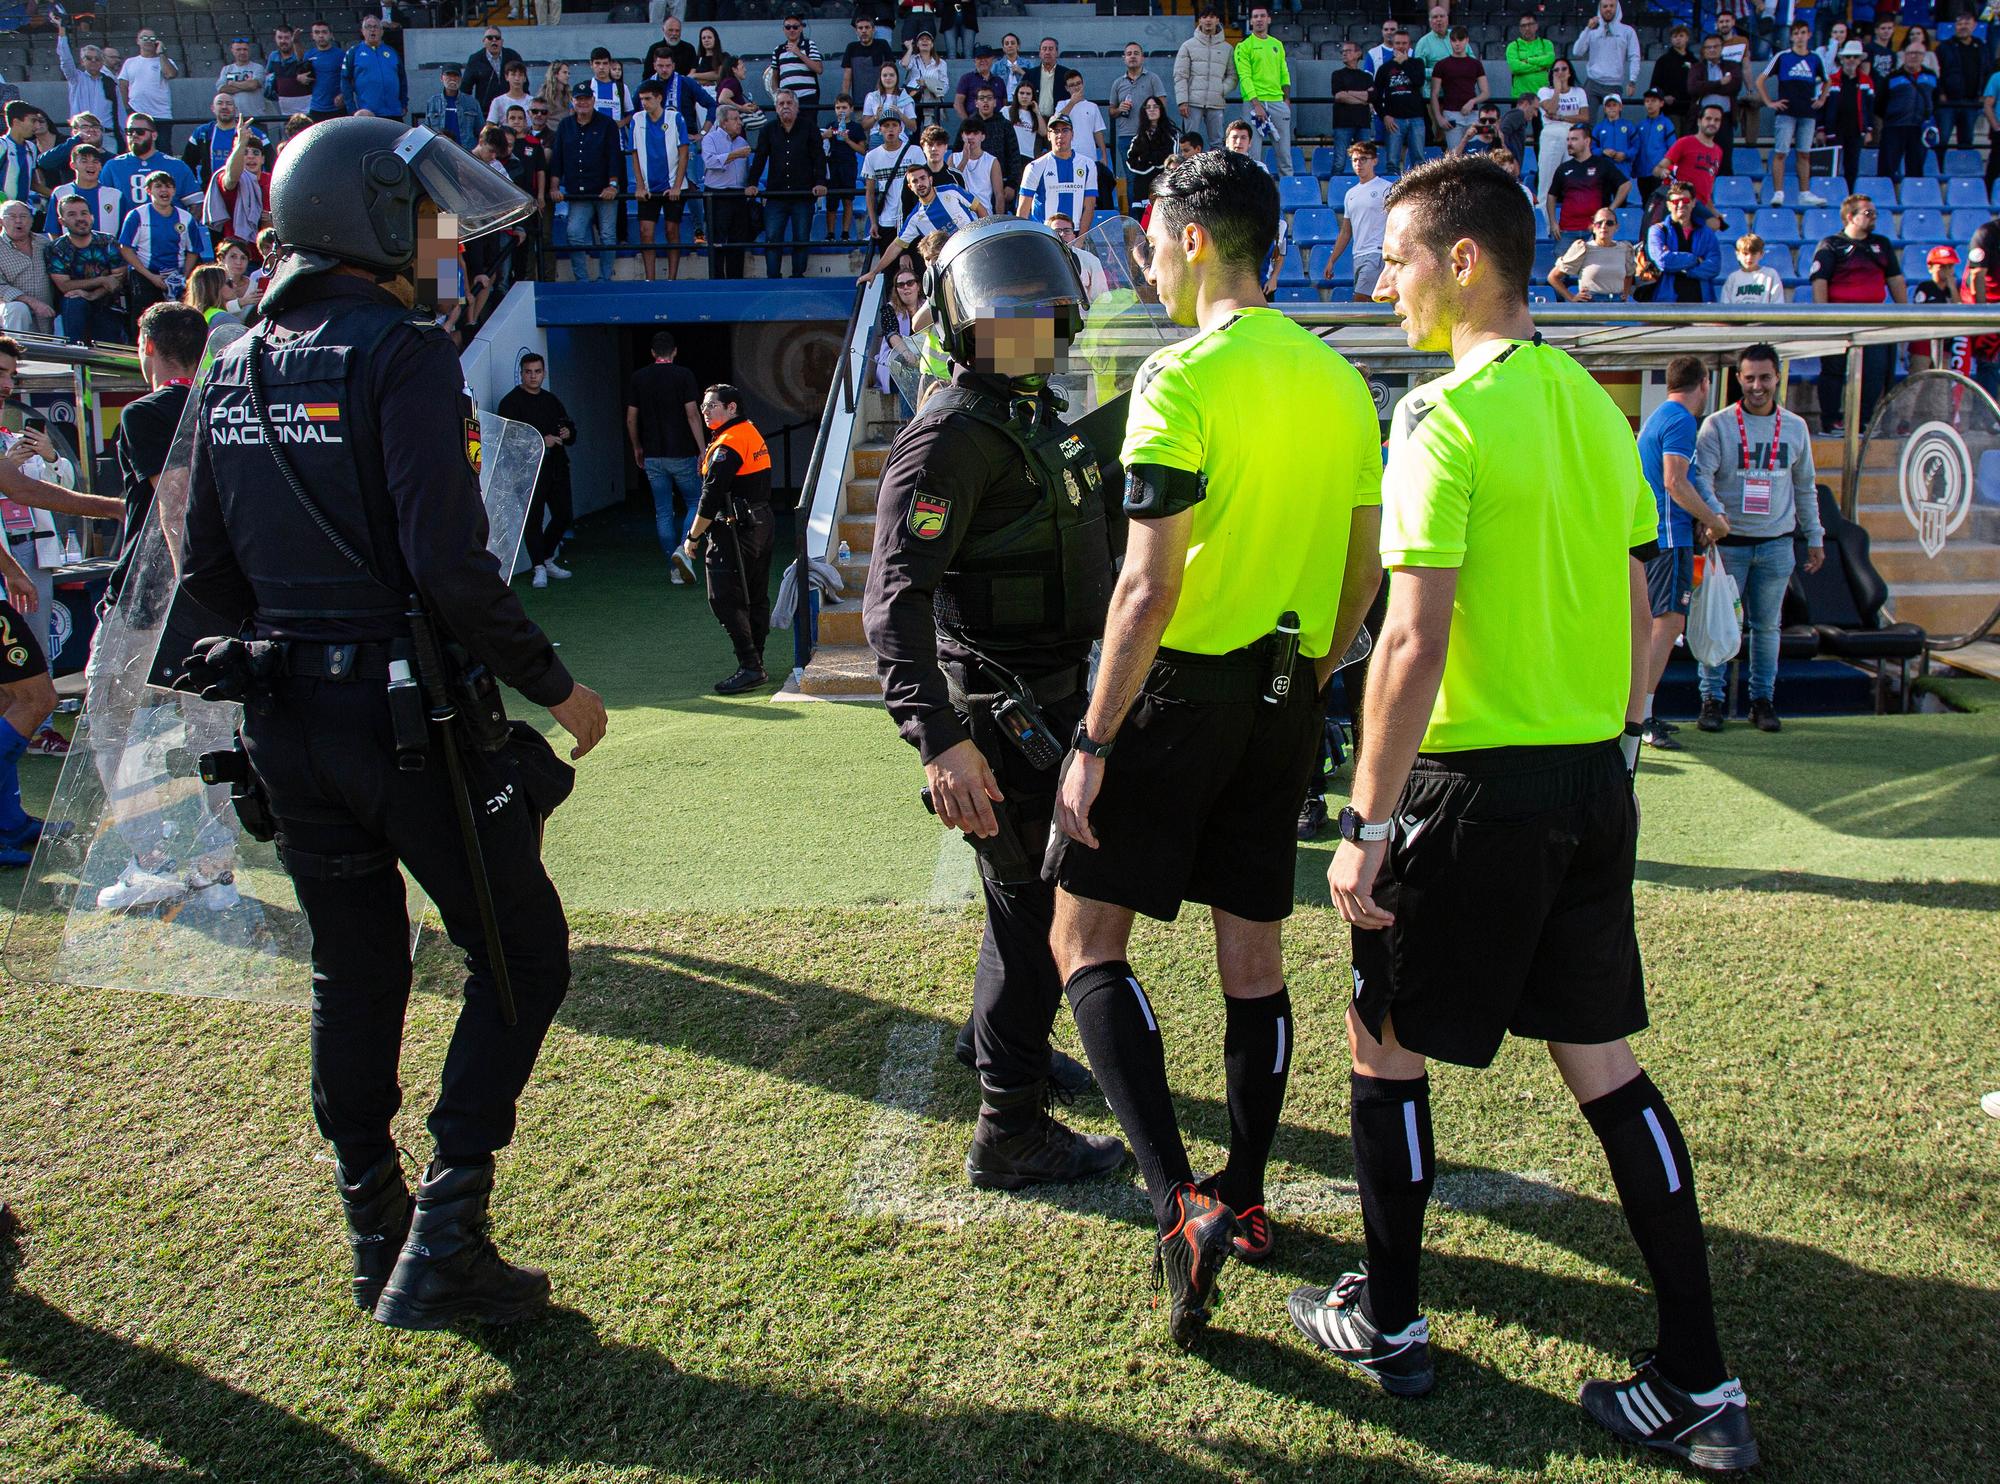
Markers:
point(21, 656)
point(1201, 801)
point(1510, 877)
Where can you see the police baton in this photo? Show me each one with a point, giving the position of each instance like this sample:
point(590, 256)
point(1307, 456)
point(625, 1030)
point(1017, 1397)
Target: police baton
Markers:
point(431, 670)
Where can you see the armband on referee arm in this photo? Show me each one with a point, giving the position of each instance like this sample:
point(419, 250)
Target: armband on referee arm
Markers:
point(1154, 491)
point(1647, 552)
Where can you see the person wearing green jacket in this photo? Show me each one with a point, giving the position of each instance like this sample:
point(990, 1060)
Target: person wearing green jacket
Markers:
point(1529, 57)
point(1266, 83)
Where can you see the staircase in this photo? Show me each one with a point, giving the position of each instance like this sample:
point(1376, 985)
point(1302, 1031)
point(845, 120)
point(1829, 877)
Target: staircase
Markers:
point(1946, 594)
point(843, 667)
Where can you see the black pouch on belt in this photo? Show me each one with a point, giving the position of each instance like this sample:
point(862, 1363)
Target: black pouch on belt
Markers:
point(545, 778)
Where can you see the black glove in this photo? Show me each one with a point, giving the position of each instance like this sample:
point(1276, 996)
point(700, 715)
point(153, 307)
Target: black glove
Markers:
point(222, 669)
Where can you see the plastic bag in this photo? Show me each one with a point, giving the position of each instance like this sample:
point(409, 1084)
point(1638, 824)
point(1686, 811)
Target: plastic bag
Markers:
point(1715, 616)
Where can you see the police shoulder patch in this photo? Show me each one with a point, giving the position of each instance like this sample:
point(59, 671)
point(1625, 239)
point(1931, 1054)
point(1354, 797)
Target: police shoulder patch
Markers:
point(928, 515)
point(472, 443)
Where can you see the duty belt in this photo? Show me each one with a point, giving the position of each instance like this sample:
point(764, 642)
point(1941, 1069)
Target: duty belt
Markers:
point(341, 662)
point(1218, 679)
point(1057, 685)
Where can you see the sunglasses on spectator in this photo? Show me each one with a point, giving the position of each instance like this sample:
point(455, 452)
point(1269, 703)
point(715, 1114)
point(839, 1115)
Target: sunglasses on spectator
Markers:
point(492, 35)
point(793, 26)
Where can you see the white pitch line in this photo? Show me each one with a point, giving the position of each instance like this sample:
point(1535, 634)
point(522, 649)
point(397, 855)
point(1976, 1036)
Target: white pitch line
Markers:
point(955, 877)
point(887, 1179)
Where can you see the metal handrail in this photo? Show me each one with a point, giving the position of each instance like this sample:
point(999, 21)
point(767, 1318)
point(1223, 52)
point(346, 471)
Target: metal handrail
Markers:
point(844, 396)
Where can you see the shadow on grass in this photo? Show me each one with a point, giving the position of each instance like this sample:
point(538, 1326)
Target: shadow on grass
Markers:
point(582, 1402)
point(1970, 896)
point(222, 1433)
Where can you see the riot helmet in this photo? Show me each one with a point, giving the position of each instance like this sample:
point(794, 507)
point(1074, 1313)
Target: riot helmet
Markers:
point(1015, 278)
point(347, 191)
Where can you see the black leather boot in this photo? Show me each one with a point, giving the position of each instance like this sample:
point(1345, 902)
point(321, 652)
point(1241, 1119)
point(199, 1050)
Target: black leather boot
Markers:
point(377, 1203)
point(449, 1270)
point(1019, 1143)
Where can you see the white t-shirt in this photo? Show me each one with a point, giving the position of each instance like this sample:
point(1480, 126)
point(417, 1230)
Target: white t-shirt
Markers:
point(877, 103)
point(145, 81)
point(1088, 120)
point(1367, 209)
point(1761, 286)
point(978, 179)
point(885, 166)
point(1573, 100)
point(496, 111)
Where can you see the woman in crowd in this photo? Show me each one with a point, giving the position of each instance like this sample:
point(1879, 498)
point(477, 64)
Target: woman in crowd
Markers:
point(1150, 148)
point(900, 336)
point(1564, 102)
point(735, 88)
point(206, 290)
point(711, 63)
point(240, 287)
point(889, 96)
point(1029, 131)
point(926, 76)
point(555, 90)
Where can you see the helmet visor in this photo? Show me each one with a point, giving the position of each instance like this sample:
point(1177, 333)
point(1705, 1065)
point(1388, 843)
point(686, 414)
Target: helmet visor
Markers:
point(1013, 276)
point(481, 197)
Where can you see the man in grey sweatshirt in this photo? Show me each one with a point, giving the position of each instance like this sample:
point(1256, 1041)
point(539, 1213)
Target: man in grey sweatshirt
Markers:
point(1757, 458)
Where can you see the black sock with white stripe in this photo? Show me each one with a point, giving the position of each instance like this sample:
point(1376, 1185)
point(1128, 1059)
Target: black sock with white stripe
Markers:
point(1393, 1164)
point(1120, 1035)
point(1650, 1167)
point(1256, 1063)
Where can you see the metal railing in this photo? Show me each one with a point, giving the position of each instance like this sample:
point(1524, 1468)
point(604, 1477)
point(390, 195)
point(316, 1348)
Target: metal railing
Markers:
point(820, 497)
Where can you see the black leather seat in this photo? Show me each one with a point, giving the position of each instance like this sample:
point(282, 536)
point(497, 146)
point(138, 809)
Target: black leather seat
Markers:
point(1846, 599)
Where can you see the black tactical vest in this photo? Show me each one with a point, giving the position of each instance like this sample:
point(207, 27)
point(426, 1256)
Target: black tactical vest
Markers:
point(316, 407)
point(1047, 572)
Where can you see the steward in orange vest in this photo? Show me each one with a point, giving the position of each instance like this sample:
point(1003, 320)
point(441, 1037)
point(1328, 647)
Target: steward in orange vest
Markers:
point(735, 515)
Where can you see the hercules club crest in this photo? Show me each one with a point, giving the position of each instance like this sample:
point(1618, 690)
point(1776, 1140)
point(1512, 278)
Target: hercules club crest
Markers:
point(1935, 483)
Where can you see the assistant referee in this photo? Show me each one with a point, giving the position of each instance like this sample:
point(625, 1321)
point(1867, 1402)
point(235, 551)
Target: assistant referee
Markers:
point(1488, 856)
point(1188, 770)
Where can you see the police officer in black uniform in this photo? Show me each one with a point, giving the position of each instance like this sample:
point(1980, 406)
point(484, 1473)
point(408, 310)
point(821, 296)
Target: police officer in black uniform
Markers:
point(990, 577)
point(334, 493)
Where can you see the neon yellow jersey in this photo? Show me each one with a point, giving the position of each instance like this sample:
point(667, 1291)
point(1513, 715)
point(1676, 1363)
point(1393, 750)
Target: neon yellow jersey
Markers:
point(1520, 471)
point(1283, 434)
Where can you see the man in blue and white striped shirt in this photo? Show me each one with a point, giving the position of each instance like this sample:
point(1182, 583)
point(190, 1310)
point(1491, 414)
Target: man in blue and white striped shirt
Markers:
point(939, 208)
point(1059, 181)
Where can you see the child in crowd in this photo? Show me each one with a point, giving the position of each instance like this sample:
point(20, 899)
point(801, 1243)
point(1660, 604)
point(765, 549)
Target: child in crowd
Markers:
point(1940, 288)
point(1752, 282)
point(845, 142)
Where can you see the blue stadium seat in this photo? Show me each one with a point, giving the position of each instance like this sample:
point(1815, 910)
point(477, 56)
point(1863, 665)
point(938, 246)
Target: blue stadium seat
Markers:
point(1779, 261)
point(1776, 224)
point(1877, 188)
point(1966, 195)
point(1820, 221)
point(1870, 162)
point(1631, 221)
point(1960, 225)
point(1315, 224)
point(1293, 269)
point(1920, 190)
point(1545, 259)
point(1297, 294)
point(1337, 189)
point(1298, 159)
point(1325, 163)
point(1802, 294)
point(1914, 266)
point(1541, 293)
point(1735, 193)
point(1963, 162)
point(1923, 226)
point(1316, 264)
point(1295, 191)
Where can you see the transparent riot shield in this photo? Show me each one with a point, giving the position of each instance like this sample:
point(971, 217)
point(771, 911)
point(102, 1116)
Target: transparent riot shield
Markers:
point(144, 879)
point(1929, 496)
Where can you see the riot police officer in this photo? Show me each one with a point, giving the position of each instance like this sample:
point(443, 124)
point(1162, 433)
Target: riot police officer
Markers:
point(991, 572)
point(334, 515)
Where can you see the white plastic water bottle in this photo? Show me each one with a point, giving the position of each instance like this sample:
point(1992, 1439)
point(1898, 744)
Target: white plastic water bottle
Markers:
point(71, 551)
point(845, 554)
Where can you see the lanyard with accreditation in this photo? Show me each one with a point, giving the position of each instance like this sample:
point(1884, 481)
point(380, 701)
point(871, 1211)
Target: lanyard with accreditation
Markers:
point(1757, 485)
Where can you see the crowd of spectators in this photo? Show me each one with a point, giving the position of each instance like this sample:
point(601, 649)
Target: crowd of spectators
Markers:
point(917, 125)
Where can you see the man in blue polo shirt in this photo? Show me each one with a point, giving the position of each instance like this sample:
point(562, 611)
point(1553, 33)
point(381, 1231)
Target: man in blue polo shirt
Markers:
point(1686, 510)
point(372, 75)
point(127, 173)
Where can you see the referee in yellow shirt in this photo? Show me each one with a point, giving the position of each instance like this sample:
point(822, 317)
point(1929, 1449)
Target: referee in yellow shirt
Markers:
point(1487, 859)
point(1252, 480)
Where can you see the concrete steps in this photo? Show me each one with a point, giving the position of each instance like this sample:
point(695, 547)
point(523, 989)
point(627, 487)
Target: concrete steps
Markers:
point(841, 672)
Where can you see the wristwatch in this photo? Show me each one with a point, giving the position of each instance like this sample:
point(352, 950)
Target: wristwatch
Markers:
point(1080, 740)
point(1356, 829)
